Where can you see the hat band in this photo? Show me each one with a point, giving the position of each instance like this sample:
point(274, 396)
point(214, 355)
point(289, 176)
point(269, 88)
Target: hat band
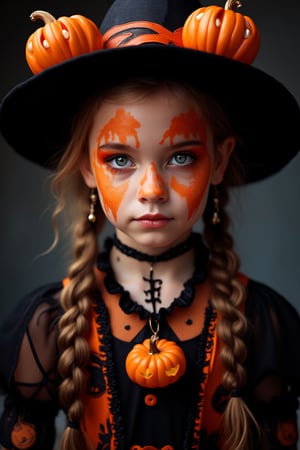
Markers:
point(141, 32)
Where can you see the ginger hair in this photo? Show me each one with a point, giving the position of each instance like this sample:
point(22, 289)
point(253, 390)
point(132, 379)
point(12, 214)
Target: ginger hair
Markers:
point(228, 295)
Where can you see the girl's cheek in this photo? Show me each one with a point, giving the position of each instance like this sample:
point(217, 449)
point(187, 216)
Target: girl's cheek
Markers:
point(111, 193)
point(194, 191)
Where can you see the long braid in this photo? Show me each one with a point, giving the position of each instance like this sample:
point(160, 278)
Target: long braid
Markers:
point(228, 296)
point(72, 342)
point(72, 194)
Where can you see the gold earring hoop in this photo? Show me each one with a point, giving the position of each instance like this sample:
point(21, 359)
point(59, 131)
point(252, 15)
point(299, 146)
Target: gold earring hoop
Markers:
point(216, 217)
point(93, 200)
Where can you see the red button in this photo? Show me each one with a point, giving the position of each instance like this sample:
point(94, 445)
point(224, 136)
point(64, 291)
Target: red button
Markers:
point(150, 400)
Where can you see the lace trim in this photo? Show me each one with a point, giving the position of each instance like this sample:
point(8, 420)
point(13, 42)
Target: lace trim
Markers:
point(205, 351)
point(109, 372)
point(206, 348)
point(184, 299)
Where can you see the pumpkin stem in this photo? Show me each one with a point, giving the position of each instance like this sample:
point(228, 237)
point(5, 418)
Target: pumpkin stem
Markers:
point(43, 15)
point(153, 348)
point(230, 4)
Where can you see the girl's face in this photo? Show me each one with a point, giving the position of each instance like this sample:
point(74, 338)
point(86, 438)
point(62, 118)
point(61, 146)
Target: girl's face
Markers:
point(152, 162)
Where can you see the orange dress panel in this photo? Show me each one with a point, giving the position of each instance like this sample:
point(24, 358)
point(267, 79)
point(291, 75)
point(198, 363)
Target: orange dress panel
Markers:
point(97, 415)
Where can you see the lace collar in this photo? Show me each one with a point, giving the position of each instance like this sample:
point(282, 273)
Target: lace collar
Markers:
point(185, 297)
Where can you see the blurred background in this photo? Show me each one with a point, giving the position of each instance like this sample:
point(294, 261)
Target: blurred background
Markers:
point(267, 214)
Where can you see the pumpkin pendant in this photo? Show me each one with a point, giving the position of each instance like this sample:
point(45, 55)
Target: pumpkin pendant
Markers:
point(222, 31)
point(155, 363)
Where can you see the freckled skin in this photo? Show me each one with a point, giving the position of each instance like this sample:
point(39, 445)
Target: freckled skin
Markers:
point(149, 135)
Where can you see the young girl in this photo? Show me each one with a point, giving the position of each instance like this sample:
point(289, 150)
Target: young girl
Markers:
point(155, 341)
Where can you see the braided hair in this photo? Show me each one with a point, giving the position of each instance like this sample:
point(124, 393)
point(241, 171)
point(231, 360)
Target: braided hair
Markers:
point(229, 293)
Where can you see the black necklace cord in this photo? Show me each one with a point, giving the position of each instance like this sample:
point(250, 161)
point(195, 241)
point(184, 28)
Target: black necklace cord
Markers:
point(173, 252)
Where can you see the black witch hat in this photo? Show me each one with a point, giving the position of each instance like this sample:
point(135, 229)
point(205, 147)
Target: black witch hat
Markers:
point(142, 39)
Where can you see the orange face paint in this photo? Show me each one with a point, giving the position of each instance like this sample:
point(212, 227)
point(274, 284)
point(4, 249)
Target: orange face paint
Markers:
point(152, 183)
point(123, 125)
point(189, 125)
point(119, 128)
point(158, 177)
point(111, 193)
point(197, 185)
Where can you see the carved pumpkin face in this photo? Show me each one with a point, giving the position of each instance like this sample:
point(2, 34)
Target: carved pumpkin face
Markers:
point(155, 363)
point(287, 433)
point(23, 435)
point(60, 40)
point(222, 31)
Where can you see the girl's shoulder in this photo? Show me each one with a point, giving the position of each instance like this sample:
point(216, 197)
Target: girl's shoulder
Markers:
point(265, 307)
point(273, 333)
point(38, 311)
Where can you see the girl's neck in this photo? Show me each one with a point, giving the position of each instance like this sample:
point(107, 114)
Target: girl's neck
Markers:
point(121, 261)
point(139, 272)
point(158, 255)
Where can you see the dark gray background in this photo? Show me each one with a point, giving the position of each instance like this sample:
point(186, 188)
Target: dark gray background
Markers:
point(267, 216)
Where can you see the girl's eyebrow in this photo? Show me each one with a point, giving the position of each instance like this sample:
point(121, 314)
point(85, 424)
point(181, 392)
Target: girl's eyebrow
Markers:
point(124, 147)
point(189, 143)
point(114, 146)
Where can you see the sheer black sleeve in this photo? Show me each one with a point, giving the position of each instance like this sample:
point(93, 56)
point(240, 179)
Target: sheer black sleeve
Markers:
point(273, 365)
point(28, 371)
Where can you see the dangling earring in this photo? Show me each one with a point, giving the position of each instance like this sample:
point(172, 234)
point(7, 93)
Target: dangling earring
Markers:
point(216, 218)
point(93, 200)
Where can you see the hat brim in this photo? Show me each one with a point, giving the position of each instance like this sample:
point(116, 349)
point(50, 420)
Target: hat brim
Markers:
point(36, 116)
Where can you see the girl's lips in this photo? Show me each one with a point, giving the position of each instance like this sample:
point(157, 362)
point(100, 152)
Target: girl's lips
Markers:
point(153, 221)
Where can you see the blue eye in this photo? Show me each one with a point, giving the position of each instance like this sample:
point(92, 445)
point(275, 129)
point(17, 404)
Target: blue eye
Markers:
point(119, 161)
point(182, 159)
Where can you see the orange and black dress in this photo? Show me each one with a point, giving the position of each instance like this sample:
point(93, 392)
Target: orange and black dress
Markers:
point(120, 414)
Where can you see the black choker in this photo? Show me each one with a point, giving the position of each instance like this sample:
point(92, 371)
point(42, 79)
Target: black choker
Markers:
point(169, 254)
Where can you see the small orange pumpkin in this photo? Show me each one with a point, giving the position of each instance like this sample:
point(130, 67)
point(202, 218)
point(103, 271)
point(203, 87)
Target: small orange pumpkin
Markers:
point(222, 31)
point(23, 435)
point(287, 433)
point(60, 40)
point(155, 363)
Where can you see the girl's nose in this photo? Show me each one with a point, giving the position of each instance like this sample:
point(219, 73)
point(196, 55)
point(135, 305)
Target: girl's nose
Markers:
point(152, 186)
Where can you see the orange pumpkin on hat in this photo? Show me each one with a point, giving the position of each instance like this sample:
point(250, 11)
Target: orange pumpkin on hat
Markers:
point(61, 39)
point(222, 31)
